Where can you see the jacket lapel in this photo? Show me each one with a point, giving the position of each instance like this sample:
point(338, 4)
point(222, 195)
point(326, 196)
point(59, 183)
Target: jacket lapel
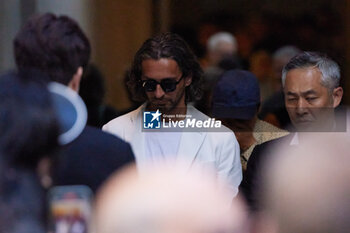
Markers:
point(191, 142)
point(137, 137)
point(189, 146)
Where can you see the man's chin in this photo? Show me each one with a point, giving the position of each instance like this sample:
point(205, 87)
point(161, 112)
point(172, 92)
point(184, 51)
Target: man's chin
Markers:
point(311, 126)
point(163, 108)
point(304, 126)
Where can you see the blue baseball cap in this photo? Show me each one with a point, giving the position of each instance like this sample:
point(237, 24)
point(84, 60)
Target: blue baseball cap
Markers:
point(236, 95)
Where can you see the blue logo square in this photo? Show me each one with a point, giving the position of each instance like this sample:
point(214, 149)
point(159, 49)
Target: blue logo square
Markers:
point(151, 120)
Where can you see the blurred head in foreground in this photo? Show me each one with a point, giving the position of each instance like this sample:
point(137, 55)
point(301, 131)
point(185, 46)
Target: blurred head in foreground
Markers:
point(28, 123)
point(307, 189)
point(29, 135)
point(166, 200)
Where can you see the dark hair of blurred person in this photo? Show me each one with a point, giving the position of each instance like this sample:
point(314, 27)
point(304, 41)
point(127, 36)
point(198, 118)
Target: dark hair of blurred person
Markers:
point(170, 46)
point(54, 45)
point(22, 207)
point(92, 91)
point(29, 133)
point(28, 124)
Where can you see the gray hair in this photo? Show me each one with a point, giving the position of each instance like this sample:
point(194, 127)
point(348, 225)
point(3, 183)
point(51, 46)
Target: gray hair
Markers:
point(286, 52)
point(215, 39)
point(329, 68)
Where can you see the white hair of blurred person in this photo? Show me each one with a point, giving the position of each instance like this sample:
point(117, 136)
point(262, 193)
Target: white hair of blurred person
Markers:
point(167, 200)
point(280, 58)
point(219, 46)
point(307, 188)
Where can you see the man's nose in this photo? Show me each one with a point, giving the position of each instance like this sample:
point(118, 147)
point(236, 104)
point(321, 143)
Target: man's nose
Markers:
point(301, 107)
point(159, 92)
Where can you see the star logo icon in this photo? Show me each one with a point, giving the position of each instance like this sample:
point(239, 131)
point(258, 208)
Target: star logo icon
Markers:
point(155, 115)
point(151, 120)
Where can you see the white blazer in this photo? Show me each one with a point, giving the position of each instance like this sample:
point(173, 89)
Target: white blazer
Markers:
point(218, 150)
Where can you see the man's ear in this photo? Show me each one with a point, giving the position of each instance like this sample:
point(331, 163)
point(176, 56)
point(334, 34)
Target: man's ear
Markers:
point(188, 81)
point(74, 84)
point(337, 96)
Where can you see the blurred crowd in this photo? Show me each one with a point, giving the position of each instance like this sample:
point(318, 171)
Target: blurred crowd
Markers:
point(70, 163)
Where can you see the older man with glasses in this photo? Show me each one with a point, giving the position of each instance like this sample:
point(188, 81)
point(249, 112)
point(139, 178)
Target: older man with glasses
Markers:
point(167, 76)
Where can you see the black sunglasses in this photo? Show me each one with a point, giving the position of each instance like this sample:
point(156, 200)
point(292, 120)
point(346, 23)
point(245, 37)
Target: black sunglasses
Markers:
point(168, 85)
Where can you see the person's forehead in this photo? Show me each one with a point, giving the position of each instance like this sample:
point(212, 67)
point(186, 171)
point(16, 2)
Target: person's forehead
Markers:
point(304, 77)
point(165, 62)
point(225, 46)
point(162, 66)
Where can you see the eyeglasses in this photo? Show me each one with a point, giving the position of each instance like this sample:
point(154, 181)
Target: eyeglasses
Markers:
point(168, 85)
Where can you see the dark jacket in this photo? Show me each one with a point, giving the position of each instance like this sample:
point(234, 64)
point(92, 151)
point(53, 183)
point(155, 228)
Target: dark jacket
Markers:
point(91, 158)
point(253, 176)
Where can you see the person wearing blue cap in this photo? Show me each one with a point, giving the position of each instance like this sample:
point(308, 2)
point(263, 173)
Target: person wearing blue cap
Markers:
point(57, 47)
point(236, 101)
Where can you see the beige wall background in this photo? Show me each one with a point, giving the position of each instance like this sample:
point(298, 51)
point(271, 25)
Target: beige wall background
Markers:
point(119, 28)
